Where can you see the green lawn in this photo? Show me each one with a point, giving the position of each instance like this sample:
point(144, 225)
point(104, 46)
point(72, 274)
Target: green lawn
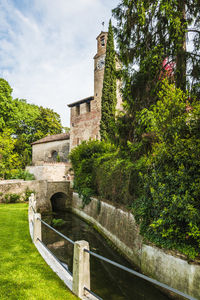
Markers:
point(23, 272)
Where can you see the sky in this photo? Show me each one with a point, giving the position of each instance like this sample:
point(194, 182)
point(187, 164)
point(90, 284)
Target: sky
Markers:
point(47, 49)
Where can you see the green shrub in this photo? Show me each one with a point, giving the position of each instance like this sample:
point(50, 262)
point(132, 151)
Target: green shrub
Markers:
point(168, 208)
point(11, 198)
point(83, 160)
point(20, 174)
point(28, 193)
point(113, 178)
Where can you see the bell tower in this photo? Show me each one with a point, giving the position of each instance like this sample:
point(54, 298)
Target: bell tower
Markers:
point(99, 64)
point(86, 113)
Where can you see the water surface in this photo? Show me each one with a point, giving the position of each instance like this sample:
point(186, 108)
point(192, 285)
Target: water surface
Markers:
point(107, 281)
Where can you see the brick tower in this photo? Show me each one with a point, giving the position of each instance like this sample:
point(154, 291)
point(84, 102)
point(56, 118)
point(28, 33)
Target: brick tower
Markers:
point(99, 64)
point(86, 113)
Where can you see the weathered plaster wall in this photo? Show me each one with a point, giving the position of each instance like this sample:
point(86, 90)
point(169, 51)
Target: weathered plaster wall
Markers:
point(171, 270)
point(43, 152)
point(50, 172)
point(120, 227)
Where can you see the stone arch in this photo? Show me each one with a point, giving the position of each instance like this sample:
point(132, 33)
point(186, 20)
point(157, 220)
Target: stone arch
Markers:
point(58, 201)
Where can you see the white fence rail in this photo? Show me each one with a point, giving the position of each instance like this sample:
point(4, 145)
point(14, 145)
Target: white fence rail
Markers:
point(79, 281)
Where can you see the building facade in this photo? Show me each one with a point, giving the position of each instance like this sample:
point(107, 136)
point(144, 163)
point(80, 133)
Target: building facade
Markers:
point(51, 149)
point(50, 158)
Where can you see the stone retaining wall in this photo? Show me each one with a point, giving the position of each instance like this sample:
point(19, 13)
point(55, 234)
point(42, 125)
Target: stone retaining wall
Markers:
point(119, 226)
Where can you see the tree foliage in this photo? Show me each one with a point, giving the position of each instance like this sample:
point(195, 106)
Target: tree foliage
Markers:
point(83, 159)
point(21, 124)
point(7, 109)
point(9, 159)
point(109, 99)
point(168, 207)
point(154, 37)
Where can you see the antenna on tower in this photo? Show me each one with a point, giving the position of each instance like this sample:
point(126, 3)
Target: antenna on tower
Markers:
point(102, 26)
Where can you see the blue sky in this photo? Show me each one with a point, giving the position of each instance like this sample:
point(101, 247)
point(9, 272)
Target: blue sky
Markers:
point(47, 49)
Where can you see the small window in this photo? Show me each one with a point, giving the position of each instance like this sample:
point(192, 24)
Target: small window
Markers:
point(102, 39)
point(88, 107)
point(78, 110)
point(78, 141)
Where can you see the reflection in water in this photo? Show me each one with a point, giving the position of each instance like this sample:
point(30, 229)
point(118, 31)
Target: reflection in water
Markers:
point(107, 281)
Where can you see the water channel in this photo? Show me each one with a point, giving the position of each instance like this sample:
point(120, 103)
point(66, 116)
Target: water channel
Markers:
point(107, 281)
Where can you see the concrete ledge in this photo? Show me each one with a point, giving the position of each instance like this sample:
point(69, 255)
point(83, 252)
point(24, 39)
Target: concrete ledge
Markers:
point(81, 262)
point(54, 265)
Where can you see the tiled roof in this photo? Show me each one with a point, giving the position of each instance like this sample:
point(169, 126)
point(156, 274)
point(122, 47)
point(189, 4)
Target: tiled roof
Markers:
point(52, 138)
point(88, 99)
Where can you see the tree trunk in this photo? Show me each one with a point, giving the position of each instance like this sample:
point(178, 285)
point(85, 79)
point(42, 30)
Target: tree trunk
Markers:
point(181, 49)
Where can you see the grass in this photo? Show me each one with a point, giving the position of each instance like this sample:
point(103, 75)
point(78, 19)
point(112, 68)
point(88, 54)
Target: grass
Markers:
point(23, 272)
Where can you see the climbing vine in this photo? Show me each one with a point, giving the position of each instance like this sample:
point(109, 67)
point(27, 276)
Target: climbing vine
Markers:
point(109, 98)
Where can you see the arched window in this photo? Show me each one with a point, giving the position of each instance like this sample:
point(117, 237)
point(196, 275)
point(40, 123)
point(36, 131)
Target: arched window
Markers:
point(54, 155)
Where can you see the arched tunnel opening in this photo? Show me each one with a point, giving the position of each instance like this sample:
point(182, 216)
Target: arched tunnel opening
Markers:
point(58, 201)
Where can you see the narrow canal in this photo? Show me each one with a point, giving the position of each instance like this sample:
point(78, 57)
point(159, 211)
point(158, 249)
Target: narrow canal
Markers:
point(107, 281)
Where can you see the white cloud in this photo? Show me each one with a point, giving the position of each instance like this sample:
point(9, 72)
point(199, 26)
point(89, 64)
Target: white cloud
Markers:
point(47, 49)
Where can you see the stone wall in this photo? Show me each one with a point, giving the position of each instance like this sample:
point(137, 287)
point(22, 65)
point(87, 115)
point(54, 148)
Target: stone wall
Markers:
point(43, 152)
point(119, 226)
point(50, 172)
point(20, 187)
point(43, 190)
point(84, 126)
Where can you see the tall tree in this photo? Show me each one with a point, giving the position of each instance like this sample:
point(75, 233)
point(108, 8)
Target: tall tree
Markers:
point(109, 98)
point(152, 39)
point(150, 31)
point(48, 122)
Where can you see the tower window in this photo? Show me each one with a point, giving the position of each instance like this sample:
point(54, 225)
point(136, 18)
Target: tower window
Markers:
point(102, 39)
point(78, 110)
point(88, 107)
point(78, 141)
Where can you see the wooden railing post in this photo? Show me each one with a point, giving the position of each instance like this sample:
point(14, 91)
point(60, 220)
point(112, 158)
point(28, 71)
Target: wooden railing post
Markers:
point(37, 233)
point(81, 268)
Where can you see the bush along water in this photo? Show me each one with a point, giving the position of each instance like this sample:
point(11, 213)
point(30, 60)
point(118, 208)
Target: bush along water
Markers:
point(157, 174)
point(168, 208)
point(83, 160)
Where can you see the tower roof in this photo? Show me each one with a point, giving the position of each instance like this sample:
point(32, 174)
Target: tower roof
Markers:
point(102, 32)
point(88, 99)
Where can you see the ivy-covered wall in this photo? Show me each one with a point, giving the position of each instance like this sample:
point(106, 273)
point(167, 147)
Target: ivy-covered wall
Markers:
point(157, 176)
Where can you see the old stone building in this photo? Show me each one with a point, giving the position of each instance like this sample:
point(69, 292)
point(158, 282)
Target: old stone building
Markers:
point(85, 114)
point(50, 157)
point(51, 149)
